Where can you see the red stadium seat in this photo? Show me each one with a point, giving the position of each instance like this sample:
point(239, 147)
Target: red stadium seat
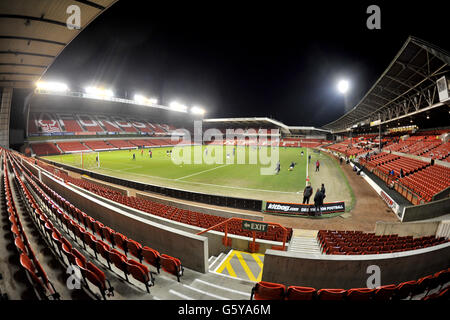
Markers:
point(300, 293)
point(120, 242)
point(152, 257)
point(134, 248)
point(41, 284)
point(103, 249)
point(360, 294)
point(97, 277)
point(172, 265)
point(119, 259)
point(385, 293)
point(331, 294)
point(268, 291)
point(405, 289)
point(140, 272)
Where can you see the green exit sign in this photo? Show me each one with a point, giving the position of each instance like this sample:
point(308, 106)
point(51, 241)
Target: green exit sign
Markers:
point(254, 226)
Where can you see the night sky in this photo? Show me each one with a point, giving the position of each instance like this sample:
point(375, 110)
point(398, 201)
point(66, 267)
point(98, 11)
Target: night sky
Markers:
point(271, 59)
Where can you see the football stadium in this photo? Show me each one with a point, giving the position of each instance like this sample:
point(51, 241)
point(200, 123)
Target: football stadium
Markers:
point(138, 196)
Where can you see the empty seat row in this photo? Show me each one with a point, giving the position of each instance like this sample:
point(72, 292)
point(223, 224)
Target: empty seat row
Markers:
point(90, 273)
point(185, 216)
point(354, 243)
point(28, 260)
point(87, 230)
point(440, 281)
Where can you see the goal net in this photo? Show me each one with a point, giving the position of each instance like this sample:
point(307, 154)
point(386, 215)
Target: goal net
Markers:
point(86, 160)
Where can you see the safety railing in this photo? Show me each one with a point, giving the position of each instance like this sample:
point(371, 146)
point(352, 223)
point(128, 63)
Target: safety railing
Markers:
point(252, 245)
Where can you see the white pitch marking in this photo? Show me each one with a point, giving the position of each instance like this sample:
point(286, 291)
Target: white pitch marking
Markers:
point(194, 174)
point(134, 167)
point(239, 188)
point(201, 183)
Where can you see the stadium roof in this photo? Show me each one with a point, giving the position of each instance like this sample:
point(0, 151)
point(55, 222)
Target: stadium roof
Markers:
point(261, 121)
point(34, 33)
point(407, 87)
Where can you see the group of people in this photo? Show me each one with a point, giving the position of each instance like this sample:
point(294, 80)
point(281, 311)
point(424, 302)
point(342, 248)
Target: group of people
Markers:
point(150, 153)
point(318, 197)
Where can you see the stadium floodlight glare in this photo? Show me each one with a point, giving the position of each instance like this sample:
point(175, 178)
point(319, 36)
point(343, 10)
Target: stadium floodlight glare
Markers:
point(52, 86)
point(174, 105)
point(99, 92)
point(343, 86)
point(139, 98)
point(197, 110)
point(144, 100)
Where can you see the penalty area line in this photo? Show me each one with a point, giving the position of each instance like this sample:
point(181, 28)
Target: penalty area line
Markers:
point(197, 173)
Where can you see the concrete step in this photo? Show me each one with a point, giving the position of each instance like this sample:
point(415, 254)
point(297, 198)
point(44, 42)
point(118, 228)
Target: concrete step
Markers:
point(213, 263)
point(211, 287)
point(307, 245)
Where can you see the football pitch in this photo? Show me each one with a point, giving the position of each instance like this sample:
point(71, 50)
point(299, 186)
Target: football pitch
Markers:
point(244, 174)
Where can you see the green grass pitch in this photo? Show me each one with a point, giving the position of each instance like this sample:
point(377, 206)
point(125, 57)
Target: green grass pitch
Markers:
point(240, 180)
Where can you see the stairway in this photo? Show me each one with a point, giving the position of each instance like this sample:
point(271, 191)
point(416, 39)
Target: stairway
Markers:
point(304, 241)
point(214, 261)
point(304, 245)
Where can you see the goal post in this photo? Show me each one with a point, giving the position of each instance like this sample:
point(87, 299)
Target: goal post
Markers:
point(87, 159)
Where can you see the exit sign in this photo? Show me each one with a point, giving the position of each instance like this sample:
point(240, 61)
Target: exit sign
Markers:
point(254, 226)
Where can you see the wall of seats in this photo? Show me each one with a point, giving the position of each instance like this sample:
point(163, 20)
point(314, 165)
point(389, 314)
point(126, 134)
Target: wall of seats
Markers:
point(237, 239)
point(232, 202)
point(215, 238)
point(58, 220)
point(198, 208)
point(80, 124)
point(189, 248)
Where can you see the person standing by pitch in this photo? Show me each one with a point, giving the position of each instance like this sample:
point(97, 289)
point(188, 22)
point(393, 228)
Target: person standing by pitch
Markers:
point(307, 193)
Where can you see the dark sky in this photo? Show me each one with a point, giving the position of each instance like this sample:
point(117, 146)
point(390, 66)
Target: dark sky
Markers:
point(272, 59)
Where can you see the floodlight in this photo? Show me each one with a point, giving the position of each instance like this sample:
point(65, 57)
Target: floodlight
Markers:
point(197, 110)
point(343, 86)
point(139, 98)
point(99, 92)
point(177, 106)
point(52, 86)
point(144, 100)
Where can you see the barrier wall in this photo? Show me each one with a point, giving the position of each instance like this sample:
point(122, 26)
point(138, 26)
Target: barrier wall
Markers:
point(345, 272)
point(415, 229)
point(191, 249)
point(198, 208)
point(232, 202)
point(120, 190)
point(427, 210)
point(442, 195)
point(215, 238)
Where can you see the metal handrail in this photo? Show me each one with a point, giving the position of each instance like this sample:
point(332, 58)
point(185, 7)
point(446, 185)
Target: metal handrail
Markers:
point(254, 232)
